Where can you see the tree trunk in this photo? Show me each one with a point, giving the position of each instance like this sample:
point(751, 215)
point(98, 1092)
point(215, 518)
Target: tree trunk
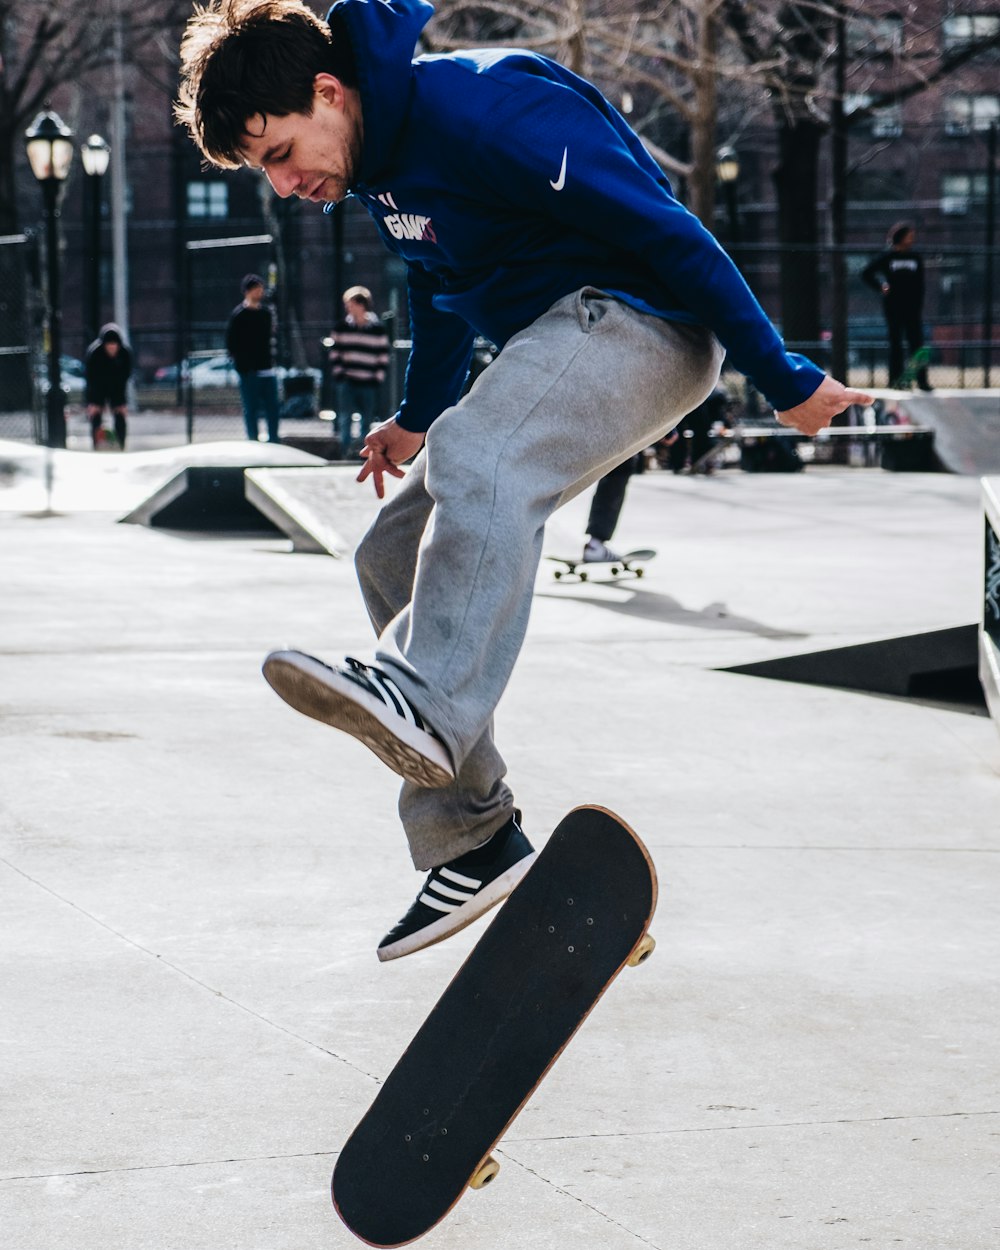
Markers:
point(796, 181)
point(705, 116)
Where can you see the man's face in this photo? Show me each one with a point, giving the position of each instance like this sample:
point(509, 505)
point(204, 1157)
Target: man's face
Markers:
point(315, 156)
point(254, 296)
point(356, 309)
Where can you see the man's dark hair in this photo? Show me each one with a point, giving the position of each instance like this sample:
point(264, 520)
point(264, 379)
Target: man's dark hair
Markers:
point(245, 58)
point(899, 231)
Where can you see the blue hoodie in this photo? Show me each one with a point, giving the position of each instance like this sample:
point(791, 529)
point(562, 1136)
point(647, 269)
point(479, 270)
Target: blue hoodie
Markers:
point(506, 182)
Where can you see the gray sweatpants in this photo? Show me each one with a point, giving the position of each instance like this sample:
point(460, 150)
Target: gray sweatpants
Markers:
point(448, 567)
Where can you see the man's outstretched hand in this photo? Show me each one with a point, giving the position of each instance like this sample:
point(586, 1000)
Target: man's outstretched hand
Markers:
point(387, 446)
point(815, 413)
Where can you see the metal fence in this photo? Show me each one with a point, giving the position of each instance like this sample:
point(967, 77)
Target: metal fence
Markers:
point(20, 341)
point(200, 400)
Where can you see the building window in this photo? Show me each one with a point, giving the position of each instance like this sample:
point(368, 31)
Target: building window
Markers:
point(208, 199)
point(960, 191)
point(965, 28)
point(965, 113)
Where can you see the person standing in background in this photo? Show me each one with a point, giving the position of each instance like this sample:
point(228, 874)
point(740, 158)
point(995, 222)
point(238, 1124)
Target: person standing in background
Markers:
point(108, 367)
point(250, 343)
point(898, 276)
point(359, 357)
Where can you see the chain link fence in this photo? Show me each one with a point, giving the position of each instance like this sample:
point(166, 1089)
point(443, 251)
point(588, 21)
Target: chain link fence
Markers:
point(21, 382)
point(186, 390)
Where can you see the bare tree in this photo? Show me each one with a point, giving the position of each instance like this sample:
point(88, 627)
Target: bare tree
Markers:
point(790, 50)
point(661, 63)
point(697, 68)
point(45, 45)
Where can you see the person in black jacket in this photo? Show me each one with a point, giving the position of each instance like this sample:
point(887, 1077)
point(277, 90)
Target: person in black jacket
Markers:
point(249, 339)
point(108, 367)
point(898, 276)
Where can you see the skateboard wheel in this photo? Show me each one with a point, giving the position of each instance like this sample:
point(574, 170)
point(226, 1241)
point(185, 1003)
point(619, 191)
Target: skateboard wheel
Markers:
point(486, 1172)
point(642, 952)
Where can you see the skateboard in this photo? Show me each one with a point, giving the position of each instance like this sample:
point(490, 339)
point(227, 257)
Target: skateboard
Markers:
point(631, 564)
point(920, 359)
point(578, 917)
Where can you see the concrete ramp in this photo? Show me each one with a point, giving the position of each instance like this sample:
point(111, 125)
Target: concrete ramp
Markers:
point(322, 510)
point(206, 491)
point(35, 479)
point(966, 427)
point(939, 666)
point(206, 498)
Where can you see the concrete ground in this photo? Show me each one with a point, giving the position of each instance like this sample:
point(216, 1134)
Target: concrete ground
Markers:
point(193, 881)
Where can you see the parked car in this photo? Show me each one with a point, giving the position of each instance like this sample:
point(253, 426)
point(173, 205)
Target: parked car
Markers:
point(72, 374)
point(217, 370)
point(205, 371)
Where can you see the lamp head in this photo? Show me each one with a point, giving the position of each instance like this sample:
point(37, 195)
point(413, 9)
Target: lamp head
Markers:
point(95, 154)
point(727, 165)
point(49, 142)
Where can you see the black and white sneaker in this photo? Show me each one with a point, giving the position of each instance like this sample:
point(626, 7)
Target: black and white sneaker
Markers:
point(598, 552)
point(461, 891)
point(365, 702)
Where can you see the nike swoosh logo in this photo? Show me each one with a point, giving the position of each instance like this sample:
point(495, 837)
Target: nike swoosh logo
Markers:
point(560, 182)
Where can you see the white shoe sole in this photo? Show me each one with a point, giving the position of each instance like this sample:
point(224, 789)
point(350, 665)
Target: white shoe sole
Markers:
point(454, 922)
point(311, 688)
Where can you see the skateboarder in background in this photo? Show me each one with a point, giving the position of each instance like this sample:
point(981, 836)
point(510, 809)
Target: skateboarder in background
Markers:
point(898, 276)
point(527, 212)
point(107, 368)
point(605, 509)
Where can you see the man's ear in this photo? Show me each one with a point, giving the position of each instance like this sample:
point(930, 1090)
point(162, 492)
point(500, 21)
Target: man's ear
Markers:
point(329, 89)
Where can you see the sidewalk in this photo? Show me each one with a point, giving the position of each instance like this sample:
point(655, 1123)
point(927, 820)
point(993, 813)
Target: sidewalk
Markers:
point(193, 881)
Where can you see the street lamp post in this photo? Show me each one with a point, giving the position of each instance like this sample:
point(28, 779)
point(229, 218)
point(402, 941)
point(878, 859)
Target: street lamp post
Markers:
point(991, 233)
point(49, 142)
point(727, 170)
point(95, 154)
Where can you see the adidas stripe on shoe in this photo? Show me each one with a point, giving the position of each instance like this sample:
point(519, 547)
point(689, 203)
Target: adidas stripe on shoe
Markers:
point(366, 703)
point(461, 891)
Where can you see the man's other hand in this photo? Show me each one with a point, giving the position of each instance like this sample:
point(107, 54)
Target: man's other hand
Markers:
point(386, 447)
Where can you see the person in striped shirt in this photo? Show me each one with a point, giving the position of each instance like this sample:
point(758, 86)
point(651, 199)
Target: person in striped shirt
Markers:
point(359, 357)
